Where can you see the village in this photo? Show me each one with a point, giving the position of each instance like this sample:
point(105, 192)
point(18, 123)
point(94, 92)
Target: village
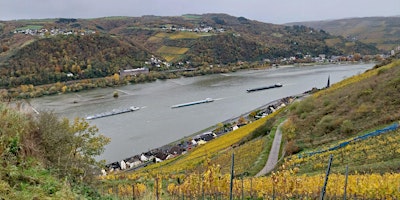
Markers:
point(52, 32)
point(185, 145)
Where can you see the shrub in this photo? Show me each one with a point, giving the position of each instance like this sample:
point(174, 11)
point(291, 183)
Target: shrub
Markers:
point(115, 95)
point(347, 127)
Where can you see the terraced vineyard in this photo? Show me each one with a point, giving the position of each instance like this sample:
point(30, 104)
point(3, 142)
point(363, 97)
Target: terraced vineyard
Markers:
point(199, 155)
point(287, 182)
point(171, 53)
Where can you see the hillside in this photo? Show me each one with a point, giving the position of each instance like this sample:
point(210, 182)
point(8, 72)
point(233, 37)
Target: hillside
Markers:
point(55, 50)
point(49, 158)
point(382, 32)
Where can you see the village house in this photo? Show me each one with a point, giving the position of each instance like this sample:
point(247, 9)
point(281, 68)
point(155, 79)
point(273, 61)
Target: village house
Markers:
point(134, 72)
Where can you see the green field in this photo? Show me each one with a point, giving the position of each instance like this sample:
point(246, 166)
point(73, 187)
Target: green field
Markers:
point(31, 27)
point(191, 17)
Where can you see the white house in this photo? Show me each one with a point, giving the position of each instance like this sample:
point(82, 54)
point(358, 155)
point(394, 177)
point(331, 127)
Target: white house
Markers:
point(143, 158)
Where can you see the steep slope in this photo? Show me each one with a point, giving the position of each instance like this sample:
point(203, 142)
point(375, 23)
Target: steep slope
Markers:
point(356, 104)
point(382, 32)
point(49, 60)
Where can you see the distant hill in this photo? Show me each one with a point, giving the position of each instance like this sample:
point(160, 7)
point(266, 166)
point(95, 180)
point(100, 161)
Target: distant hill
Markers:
point(382, 32)
point(47, 51)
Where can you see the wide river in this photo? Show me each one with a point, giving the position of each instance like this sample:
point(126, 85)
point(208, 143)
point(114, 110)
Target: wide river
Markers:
point(156, 123)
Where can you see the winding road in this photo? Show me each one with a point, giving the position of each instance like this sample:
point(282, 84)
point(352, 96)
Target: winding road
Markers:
point(274, 153)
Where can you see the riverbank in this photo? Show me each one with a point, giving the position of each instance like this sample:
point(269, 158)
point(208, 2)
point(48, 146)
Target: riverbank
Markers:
point(28, 91)
point(190, 142)
point(156, 124)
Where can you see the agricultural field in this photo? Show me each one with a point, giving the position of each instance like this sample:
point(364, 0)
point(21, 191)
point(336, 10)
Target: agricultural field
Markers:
point(188, 35)
point(171, 53)
point(31, 27)
point(289, 181)
point(375, 154)
point(245, 156)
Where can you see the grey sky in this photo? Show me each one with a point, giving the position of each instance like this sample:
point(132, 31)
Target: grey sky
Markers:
point(271, 11)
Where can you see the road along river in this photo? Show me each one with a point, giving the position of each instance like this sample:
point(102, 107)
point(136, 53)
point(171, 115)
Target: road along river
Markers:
point(156, 123)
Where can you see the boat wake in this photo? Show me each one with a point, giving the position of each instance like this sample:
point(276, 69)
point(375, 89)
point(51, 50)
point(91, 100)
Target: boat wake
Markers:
point(113, 112)
point(207, 100)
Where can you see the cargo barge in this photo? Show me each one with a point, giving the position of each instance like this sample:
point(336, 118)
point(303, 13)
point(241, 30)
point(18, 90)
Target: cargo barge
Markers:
point(265, 88)
point(207, 100)
point(114, 112)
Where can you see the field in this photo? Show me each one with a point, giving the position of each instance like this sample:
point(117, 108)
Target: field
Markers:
point(289, 181)
point(172, 50)
point(31, 27)
point(171, 53)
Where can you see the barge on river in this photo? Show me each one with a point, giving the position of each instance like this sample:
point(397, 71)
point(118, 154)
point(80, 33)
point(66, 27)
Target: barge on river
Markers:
point(277, 85)
point(207, 100)
point(114, 112)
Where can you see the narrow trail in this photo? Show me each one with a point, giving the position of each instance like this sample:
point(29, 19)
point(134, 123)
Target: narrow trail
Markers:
point(274, 153)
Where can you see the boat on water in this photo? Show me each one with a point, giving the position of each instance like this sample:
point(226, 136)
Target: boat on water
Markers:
point(276, 85)
point(113, 112)
point(207, 100)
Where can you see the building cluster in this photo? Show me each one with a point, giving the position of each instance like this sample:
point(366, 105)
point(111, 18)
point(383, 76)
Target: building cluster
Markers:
point(201, 29)
point(134, 72)
point(157, 62)
point(170, 151)
point(53, 32)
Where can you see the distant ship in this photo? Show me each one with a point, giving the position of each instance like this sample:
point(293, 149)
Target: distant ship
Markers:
point(207, 100)
point(114, 112)
point(265, 88)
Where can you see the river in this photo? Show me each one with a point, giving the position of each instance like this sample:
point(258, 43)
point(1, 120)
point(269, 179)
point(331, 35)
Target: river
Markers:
point(156, 123)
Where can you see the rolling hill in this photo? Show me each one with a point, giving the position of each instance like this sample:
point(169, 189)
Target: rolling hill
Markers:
point(382, 32)
point(47, 51)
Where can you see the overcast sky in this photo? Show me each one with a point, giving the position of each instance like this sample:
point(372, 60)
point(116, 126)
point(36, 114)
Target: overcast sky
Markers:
point(271, 11)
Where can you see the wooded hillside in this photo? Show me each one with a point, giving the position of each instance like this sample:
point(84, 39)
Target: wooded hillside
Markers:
point(55, 50)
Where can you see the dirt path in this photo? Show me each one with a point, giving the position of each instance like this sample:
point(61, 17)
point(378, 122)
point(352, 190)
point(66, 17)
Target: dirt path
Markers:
point(273, 154)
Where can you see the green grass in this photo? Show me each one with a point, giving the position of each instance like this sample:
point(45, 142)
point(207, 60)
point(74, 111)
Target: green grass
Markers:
point(33, 182)
point(191, 17)
point(31, 27)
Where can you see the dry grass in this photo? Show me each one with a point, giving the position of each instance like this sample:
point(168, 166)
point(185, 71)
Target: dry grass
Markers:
point(172, 50)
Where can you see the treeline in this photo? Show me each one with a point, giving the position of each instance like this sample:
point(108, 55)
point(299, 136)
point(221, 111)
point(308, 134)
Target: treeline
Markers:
point(26, 91)
point(65, 58)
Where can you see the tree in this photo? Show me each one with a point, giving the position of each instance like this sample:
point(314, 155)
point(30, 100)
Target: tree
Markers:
point(242, 121)
point(70, 148)
point(86, 145)
point(116, 78)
